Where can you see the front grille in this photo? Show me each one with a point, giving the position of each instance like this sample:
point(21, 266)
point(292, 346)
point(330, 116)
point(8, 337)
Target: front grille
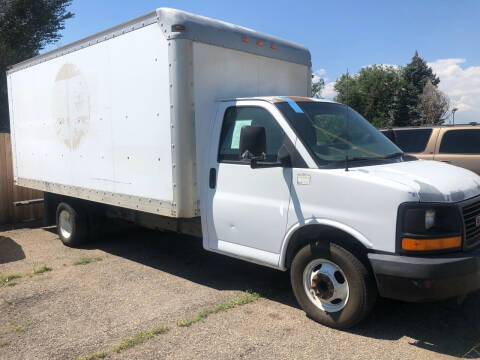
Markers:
point(472, 231)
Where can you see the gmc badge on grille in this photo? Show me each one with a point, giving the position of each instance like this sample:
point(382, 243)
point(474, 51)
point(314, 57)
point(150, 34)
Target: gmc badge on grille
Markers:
point(477, 221)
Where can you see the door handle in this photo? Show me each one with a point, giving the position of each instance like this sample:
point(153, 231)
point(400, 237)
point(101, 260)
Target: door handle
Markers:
point(212, 181)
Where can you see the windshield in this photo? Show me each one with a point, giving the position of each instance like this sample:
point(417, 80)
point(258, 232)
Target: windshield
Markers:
point(334, 131)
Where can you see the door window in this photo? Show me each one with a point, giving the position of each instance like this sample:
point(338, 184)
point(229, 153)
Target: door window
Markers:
point(460, 142)
point(412, 141)
point(240, 116)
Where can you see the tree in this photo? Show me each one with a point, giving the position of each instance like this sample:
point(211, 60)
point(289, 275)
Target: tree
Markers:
point(388, 95)
point(26, 27)
point(317, 87)
point(433, 106)
point(371, 92)
point(414, 77)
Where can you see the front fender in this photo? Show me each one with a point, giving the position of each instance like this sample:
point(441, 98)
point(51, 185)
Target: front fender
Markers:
point(316, 221)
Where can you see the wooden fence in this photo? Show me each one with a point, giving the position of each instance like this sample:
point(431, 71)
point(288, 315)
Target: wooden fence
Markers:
point(9, 192)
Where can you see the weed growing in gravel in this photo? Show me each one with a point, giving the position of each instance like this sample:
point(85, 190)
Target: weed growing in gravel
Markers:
point(139, 338)
point(238, 301)
point(86, 260)
point(4, 343)
point(9, 302)
point(21, 329)
point(95, 356)
point(41, 269)
point(12, 283)
point(6, 278)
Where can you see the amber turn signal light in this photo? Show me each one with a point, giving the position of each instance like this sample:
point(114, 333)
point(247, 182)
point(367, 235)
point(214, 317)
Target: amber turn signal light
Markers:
point(431, 244)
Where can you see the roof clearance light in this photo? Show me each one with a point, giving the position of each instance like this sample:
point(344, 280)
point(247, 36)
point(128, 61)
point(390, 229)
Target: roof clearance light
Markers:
point(260, 43)
point(179, 27)
point(273, 47)
point(245, 40)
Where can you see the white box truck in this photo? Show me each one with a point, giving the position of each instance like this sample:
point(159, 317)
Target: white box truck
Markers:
point(180, 122)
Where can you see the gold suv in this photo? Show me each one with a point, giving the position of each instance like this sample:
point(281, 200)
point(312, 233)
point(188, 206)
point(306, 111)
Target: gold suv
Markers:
point(457, 145)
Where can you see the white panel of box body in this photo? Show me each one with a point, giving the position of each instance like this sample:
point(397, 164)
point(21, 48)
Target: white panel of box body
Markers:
point(97, 119)
point(221, 73)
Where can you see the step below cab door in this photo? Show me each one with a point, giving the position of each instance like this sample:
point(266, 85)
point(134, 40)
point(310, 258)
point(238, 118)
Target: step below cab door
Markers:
point(459, 147)
point(246, 208)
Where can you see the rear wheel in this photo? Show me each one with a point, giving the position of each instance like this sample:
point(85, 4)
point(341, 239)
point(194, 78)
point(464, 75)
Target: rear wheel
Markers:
point(333, 288)
point(72, 226)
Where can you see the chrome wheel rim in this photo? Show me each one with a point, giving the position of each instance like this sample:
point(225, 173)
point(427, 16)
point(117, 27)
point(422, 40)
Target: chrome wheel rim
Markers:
point(65, 223)
point(326, 285)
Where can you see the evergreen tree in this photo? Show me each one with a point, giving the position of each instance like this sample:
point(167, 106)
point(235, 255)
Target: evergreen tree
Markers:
point(414, 78)
point(26, 27)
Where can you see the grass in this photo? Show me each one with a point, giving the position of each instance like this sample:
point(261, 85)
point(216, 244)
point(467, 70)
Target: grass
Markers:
point(140, 338)
point(6, 278)
point(21, 329)
point(9, 302)
point(143, 336)
point(86, 260)
point(238, 301)
point(94, 356)
point(41, 269)
point(4, 343)
point(473, 353)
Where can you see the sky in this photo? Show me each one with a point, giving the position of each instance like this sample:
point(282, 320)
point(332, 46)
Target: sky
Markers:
point(340, 35)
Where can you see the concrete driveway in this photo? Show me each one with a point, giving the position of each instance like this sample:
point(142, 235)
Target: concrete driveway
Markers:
point(140, 294)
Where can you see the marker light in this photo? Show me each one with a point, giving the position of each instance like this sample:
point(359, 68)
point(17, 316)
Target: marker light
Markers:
point(431, 244)
point(179, 27)
point(260, 43)
point(245, 40)
point(429, 219)
point(273, 47)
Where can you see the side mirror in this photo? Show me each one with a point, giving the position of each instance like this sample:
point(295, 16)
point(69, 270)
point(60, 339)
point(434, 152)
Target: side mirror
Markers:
point(253, 143)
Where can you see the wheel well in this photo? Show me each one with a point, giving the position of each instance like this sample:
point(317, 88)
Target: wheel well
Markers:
point(51, 202)
point(309, 233)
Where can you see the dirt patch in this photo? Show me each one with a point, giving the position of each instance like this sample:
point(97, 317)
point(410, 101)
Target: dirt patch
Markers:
point(147, 280)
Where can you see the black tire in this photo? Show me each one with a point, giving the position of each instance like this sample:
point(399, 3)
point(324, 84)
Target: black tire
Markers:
point(362, 291)
point(77, 233)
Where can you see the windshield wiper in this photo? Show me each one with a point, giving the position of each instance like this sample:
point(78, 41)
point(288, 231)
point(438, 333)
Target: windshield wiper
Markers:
point(394, 155)
point(361, 158)
point(366, 158)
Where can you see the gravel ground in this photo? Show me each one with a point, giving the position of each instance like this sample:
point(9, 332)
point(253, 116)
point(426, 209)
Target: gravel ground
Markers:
point(140, 280)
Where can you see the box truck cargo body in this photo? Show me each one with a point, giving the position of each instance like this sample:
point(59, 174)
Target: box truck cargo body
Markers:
point(132, 105)
point(180, 122)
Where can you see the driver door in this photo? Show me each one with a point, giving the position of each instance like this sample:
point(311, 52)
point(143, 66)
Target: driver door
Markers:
point(246, 208)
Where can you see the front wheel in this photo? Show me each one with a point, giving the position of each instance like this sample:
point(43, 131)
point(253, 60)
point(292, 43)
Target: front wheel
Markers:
point(333, 288)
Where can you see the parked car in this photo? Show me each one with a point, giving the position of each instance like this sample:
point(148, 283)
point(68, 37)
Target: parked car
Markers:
point(457, 145)
point(176, 122)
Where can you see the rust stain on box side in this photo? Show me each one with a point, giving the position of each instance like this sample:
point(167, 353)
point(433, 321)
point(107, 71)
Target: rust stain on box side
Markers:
point(71, 105)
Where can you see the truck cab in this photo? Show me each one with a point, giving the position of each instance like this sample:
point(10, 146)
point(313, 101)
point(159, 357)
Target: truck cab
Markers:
point(309, 185)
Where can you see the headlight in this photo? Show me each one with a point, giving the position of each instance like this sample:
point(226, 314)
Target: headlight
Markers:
point(429, 228)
